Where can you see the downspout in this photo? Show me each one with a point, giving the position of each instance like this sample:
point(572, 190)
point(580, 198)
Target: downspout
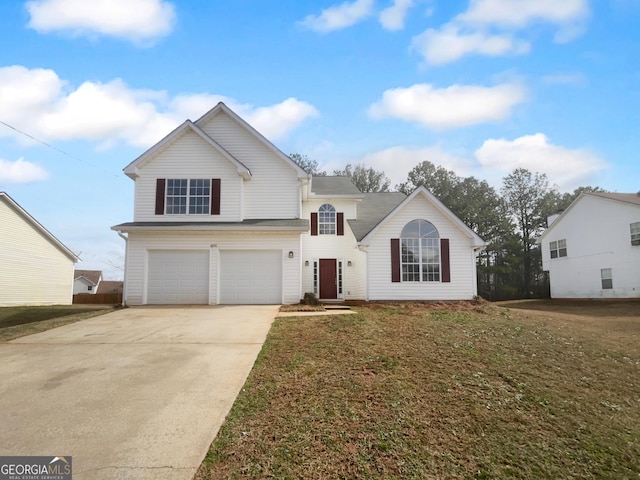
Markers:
point(126, 255)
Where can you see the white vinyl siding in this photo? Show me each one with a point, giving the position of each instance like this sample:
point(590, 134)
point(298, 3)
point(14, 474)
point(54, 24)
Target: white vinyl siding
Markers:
point(33, 271)
point(462, 259)
point(189, 157)
point(342, 248)
point(274, 191)
point(579, 274)
point(141, 243)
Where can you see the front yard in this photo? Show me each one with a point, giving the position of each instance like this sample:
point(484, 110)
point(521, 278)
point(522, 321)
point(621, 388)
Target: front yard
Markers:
point(442, 391)
point(20, 321)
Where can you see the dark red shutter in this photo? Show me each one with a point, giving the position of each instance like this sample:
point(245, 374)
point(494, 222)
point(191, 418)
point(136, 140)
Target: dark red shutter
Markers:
point(340, 223)
point(314, 223)
point(215, 196)
point(160, 183)
point(395, 259)
point(444, 257)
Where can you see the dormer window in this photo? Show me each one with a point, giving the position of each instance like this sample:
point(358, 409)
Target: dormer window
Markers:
point(327, 220)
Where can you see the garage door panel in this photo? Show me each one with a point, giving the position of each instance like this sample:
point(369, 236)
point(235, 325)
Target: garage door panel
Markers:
point(251, 276)
point(178, 277)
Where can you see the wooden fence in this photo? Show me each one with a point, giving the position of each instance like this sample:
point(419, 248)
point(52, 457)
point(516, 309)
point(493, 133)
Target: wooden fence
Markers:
point(97, 298)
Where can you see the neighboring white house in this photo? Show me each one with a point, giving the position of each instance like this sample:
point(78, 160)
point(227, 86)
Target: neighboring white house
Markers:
point(86, 281)
point(592, 250)
point(35, 267)
point(221, 216)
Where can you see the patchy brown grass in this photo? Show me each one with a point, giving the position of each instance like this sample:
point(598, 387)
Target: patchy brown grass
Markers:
point(20, 321)
point(439, 391)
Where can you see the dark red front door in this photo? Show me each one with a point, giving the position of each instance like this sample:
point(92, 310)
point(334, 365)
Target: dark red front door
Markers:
point(328, 278)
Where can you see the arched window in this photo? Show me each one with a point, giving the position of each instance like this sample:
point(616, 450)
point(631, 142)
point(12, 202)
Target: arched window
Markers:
point(327, 220)
point(420, 252)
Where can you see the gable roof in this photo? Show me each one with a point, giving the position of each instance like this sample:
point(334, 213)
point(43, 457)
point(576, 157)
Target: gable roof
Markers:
point(629, 198)
point(13, 205)
point(373, 208)
point(111, 286)
point(131, 170)
point(477, 241)
point(222, 108)
point(92, 276)
point(633, 198)
point(334, 186)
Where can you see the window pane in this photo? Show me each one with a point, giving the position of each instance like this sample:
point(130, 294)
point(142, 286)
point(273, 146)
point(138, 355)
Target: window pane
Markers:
point(420, 252)
point(327, 220)
point(635, 233)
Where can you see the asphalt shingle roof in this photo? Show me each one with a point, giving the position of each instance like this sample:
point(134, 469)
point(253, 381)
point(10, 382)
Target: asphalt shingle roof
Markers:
point(372, 209)
point(91, 275)
point(633, 198)
point(331, 185)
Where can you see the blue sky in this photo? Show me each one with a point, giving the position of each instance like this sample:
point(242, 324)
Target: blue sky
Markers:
point(479, 86)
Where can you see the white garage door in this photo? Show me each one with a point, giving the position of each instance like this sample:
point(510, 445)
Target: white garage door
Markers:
point(178, 277)
point(250, 277)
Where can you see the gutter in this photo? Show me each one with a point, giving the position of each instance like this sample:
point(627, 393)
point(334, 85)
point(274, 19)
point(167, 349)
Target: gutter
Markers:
point(126, 255)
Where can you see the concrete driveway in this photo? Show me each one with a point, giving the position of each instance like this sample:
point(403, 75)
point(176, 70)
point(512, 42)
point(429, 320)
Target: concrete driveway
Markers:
point(135, 394)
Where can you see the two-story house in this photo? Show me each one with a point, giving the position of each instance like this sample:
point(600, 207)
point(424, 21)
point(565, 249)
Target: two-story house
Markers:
point(221, 216)
point(592, 250)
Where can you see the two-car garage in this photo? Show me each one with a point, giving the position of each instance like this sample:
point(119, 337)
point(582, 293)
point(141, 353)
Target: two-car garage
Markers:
point(237, 276)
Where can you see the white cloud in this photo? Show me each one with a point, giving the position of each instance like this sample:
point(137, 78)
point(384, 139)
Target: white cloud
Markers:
point(339, 16)
point(489, 27)
point(276, 121)
point(135, 20)
point(396, 162)
point(392, 18)
point(450, 43)
point(21, 171)
point(39, 102)
point(455, 106)
point(520, 13)
point(565, 167)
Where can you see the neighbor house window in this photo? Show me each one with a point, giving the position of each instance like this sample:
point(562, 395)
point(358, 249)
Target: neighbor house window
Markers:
point(558, 249)
point(635, 233)
point(607, 278)
point(327, 220)
point(420, 247)
point(188, 196)
point(90, 287)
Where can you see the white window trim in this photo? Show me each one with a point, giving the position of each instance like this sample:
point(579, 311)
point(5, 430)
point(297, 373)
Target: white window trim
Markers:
point(559, 247)
point(205, 205)
point(327, 227)
point(634, 228)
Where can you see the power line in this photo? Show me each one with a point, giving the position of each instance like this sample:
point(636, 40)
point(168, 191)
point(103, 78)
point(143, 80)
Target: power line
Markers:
point(53, 147)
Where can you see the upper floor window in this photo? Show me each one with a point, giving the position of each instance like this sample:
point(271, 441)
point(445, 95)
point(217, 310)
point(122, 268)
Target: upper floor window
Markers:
point(558, 248)
point(327, 220)
point(635, 233)
point(420, 247)
point(188, 196)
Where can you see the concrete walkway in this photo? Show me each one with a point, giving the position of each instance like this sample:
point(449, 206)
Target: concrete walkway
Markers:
point(135, 394)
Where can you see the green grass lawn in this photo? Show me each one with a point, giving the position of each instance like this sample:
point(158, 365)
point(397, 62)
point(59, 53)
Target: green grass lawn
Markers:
point(20, 321)
point(442, 391)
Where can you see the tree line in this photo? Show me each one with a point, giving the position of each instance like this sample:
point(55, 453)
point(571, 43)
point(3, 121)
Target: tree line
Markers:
point(510, 219)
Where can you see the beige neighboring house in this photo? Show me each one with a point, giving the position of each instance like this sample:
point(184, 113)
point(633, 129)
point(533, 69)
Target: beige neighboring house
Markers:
point(37, 269)
point(86, 281)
